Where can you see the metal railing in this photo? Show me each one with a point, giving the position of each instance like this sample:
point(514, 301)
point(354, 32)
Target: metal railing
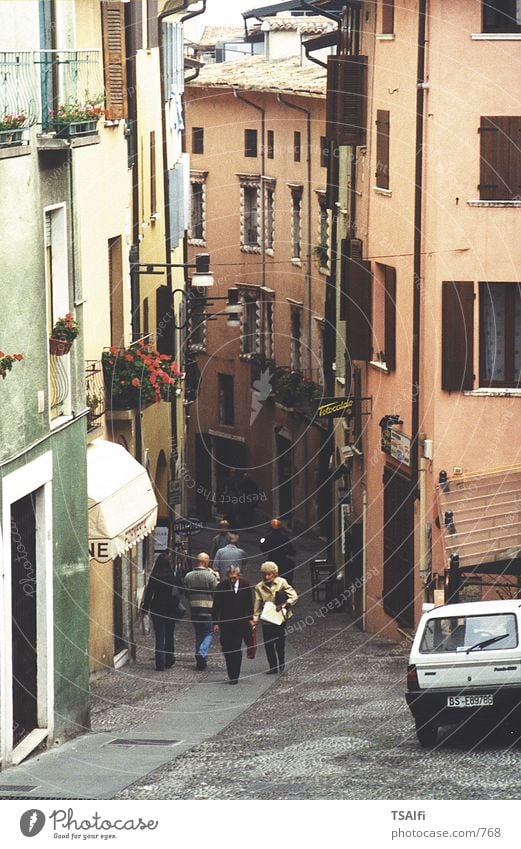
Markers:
point(68, 78)
point(94, 393)
point(18, 87)
point(60, 385)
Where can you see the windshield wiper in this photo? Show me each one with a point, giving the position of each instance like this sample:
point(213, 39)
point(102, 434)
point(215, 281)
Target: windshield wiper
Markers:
point(488, 642)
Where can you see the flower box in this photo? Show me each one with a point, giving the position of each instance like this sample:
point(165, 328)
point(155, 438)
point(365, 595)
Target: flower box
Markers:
point(59, 347)
point(72, 129)
point(9, 138)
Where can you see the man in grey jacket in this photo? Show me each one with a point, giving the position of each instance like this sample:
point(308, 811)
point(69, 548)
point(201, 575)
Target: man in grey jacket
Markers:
point(200, 584)
point(229, 555)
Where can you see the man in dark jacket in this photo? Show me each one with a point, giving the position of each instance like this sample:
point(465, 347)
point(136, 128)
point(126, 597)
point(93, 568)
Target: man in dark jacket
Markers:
point(233, 618)
point(278, 547)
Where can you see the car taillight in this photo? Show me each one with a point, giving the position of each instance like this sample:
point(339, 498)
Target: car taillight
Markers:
point(412, 678)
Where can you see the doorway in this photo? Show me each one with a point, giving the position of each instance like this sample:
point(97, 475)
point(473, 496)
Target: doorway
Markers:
point(398, 598)
point(24, 618)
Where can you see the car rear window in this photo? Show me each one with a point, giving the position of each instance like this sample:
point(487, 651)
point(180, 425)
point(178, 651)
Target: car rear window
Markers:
point(463, 633)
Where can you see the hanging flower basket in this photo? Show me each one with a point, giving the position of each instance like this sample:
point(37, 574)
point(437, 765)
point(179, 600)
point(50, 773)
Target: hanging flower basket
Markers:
point(59, 347)
point(7, 361)
point(139, 375)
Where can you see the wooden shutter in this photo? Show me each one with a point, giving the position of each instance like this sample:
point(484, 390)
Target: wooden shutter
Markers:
point(387, 16)
point(165, 332)
point(346, 99)
point(152, 24)
point(457, 337)
point(514, 144)
point(358, 305)
point(494, 182)
point(114, 59)
point(382, 149)
point(390, 317)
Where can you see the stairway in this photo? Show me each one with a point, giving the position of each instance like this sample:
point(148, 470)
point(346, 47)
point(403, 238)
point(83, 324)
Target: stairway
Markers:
point(486, 522)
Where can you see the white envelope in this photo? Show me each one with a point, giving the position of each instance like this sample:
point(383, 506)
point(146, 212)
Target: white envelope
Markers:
point(271, 614)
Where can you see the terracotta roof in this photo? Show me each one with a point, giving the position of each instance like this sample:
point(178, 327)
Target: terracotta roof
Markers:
point(255, 73)
point(313, 25)
point(211, 35)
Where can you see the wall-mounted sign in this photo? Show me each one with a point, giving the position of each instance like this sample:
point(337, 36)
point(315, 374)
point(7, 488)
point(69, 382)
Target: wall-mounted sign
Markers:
point(160, 538)
point(335, 407)
point(187, 527)
point(175, 493)
point(401, 447)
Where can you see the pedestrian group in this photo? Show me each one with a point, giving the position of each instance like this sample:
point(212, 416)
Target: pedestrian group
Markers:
point(222, 603)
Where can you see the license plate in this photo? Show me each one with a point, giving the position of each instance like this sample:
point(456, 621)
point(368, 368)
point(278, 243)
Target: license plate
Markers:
point(469, 701)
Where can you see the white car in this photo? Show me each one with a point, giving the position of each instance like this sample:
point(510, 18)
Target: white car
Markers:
point(465, 661)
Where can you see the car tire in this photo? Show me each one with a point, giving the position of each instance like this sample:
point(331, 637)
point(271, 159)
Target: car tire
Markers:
point(427, 733)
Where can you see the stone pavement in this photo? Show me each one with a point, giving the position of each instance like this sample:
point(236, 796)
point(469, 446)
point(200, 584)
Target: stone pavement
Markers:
point(141, 719)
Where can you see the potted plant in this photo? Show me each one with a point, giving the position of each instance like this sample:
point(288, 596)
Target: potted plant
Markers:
point(11, 128)
point(6, 362)
point(139, 375)
point(291, 389)
point(76, 119)
point(63, 335)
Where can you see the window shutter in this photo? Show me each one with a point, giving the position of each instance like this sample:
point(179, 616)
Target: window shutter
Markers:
point(358, 305)
point(152, 24)
point(515, 157)
point(346, 106)
point(388, 16)
point(114, 59)
point(494, 182)
point(382, 149)
point(165, 341)
point(457, 337)
point(390, 317)
point(344, 258)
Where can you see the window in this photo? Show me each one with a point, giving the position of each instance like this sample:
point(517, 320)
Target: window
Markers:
point(58, 305)
point(296, 223)
point(501, 16)
point(382, 149)
point(249, 299)
point(250, 217)
point(250, 143)
point(297, 147)
point(116, 293)
point(197, 139)
point(296, 340)
point(387, 16)
point(500, 158)
point(197, 231)
point(270, 217)
point(271, 144)
point(356, 300)
point(500, 334)
point(324, 151)
point(153, 180)
point(266, 336)
point(114, 60)
point(226, 399)
point(384, 324)
point(322, 248)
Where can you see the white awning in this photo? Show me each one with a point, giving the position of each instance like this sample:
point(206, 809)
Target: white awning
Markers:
point(122, 503)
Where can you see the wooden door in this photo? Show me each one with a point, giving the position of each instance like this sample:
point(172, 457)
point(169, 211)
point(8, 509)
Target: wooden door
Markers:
point(398, 548)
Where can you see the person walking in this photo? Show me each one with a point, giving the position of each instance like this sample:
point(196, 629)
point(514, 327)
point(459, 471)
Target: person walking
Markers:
point(229, 555)
point(221, 539)
point(200, 585)
point(233, 619)
point(277, 547)
point(161, 600)
point(277, 590)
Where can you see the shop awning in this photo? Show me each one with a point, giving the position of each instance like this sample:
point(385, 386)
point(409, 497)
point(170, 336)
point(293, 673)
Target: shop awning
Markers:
point(480, 516)
point(122, 504)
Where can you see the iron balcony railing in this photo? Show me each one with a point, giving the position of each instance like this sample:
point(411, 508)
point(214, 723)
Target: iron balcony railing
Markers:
point(95, 393)
point(68, 78)
point(18, 88)
point(60, 386)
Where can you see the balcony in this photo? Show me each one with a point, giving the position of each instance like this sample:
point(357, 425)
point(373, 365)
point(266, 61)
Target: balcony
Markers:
point(18, 99)
point(72, 95)
point(94, 394)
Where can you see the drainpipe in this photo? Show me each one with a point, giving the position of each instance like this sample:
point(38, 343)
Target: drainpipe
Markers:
point(364, 558)
point(418, 223)
point(424, 572)
point(260, 109)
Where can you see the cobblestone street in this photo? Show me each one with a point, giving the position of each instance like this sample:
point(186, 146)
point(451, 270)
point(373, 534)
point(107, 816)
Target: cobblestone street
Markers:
point(334, 726)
